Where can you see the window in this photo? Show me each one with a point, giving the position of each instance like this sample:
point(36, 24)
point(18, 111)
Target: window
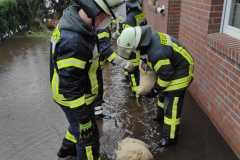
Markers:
point(231, 18)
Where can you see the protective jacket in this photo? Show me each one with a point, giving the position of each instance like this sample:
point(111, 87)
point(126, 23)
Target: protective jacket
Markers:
point(74, 62)
point(169, 59)
point(105, 47)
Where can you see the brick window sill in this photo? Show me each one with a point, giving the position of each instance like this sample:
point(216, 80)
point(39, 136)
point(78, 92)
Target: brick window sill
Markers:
point(226, 46)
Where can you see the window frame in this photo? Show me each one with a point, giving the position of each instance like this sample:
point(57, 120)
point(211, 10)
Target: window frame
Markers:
point(225, 27)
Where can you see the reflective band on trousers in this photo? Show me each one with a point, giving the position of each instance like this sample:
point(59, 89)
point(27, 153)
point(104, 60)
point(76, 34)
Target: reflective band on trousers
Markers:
point(71, 62)
point(135, 88)
point(174, 121)
point(103, 35)
point(84, 127)
point(69, 136)
point(161, 63)
point(89, 153)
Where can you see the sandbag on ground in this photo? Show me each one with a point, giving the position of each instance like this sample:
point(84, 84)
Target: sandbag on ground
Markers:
point(133, 149)
point(147, 79)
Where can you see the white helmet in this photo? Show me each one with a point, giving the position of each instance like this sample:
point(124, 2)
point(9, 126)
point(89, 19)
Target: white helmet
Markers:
point(128, 41)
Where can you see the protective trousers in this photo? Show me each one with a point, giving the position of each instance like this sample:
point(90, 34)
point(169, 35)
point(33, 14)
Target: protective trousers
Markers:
point(170, 105)
point(134, 77)
point(83, 132)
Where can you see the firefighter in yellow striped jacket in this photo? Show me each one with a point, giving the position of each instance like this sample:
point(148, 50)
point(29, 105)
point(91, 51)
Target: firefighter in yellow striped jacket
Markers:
point(135, 17)
point(173, 67)
point(75, 76)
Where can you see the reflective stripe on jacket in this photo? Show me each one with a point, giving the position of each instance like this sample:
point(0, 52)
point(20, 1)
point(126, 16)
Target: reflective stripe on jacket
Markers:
point(74, 70)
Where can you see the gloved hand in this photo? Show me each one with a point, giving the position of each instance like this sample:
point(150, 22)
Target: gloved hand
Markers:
point(115, 35)
point(129, 66)
point(124, 64)
point(147, 80)
point(154, 92)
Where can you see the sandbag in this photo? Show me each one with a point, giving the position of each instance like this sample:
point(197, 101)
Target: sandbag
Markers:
point(147, 79)
point(133, 149)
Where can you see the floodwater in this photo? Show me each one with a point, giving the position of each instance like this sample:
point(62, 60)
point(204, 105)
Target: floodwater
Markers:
point(32, 126)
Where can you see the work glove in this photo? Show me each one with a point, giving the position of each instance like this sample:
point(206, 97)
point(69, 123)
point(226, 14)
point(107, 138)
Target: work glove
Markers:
point(115, 35)
point(147, 80)
point(124, 64)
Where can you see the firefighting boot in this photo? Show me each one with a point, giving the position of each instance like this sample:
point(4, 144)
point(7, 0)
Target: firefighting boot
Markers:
point(67, 150)
point(166, 142)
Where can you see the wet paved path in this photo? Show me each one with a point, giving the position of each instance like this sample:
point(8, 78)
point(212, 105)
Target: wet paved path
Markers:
point(32, 126)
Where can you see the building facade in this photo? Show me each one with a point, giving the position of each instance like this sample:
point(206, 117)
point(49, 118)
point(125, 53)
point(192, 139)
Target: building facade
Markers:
point(210, 30)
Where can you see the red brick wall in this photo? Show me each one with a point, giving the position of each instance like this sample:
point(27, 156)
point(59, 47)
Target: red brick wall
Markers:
point(174, 8)
point(169, 22)
point(216, 85)
point(217, 74)
point(158, 21)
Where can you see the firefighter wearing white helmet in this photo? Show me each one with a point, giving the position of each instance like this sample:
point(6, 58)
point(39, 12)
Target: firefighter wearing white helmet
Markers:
point(75, 75)
point(135, 17)
point(131, 53)
point(173, 68)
